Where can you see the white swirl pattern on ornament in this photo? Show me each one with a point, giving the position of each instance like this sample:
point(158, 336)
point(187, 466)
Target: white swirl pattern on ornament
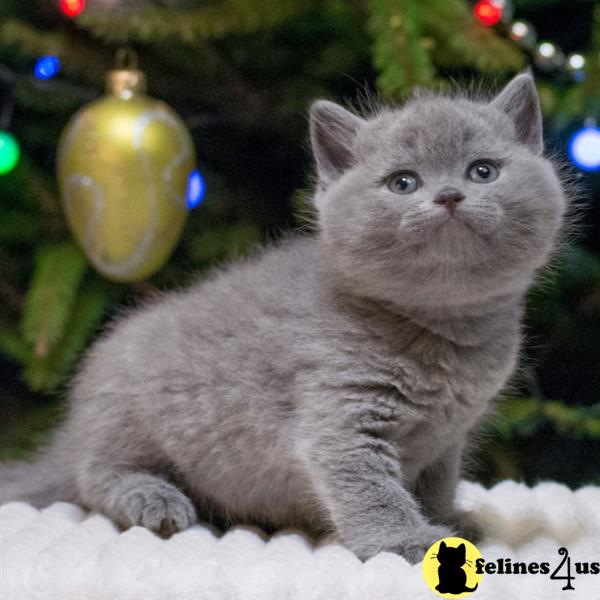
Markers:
point(182, 155)
point(79, 180)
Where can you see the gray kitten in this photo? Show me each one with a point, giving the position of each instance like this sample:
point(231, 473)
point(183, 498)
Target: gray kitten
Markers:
point(328, 383)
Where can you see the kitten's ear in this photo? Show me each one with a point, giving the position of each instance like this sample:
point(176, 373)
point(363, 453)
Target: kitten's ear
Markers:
point(520, 101)
point(462, 549)
point(332, 133)
point(442, 546)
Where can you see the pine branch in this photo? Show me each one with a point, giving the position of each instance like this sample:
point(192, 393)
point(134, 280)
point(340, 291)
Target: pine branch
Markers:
point(18, 226)
point(222, 243)
point(31, 431)
point(28, 40)
point(523, 416)
point(54, 97)
point(459, 41)
point(29, 189)
point(535, 4)
point(47, 372)
point(77, 53)
point(592, 83)
point(49, 301)
point(410, 37)
point(154, 23)
point(13, 345)
point(399, 53)
point(562, 104)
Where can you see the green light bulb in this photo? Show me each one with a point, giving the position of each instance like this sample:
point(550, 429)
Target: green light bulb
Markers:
point(9, 152)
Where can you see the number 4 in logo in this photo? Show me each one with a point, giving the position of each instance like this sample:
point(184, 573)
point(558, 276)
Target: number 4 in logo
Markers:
point(565, 553)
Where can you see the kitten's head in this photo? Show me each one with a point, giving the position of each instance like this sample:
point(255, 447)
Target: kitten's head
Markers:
point(443, 202)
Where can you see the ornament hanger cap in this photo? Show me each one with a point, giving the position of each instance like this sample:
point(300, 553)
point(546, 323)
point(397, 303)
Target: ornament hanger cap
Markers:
point(126, 80)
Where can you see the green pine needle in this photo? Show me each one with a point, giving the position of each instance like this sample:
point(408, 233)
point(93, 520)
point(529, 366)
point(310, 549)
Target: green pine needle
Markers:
point(49, 301)
point(19, 227)
point(399, 53)
point(32, 430)
point(13, 345)
point(521, 417)
point(46, 373)
point(219, 244)
point(152, 23)
point(458, 40)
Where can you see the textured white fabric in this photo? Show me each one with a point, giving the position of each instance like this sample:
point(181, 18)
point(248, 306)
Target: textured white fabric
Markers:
point(64, 553)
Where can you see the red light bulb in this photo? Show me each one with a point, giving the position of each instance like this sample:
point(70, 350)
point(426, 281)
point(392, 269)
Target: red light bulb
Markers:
point(72, 8)
point(488, 12)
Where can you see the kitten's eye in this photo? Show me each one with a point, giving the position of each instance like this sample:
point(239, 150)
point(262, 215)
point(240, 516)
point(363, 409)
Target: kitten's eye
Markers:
point(483, 172)
point(403, 183)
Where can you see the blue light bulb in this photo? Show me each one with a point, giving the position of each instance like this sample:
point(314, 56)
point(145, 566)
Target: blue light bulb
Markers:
point(46, 67)
point(196, 190)
point(584, 148)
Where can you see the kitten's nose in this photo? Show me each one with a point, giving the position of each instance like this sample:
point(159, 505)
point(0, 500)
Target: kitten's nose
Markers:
point(449, 197)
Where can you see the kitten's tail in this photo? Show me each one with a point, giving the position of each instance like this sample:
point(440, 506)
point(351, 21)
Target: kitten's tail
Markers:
point(471, 589)
point(40, 481)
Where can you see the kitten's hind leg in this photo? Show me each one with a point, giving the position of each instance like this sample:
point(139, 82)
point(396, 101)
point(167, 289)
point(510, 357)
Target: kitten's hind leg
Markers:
point(133, 497)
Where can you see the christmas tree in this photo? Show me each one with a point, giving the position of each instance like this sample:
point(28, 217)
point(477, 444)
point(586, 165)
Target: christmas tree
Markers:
point(241, 73)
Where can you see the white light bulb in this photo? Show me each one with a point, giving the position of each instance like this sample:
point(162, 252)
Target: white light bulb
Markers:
point(576, 62)
point(547, 50)
point(519, 29)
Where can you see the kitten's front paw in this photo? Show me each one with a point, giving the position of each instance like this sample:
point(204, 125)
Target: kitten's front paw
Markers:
point(160, 508)
point(413, 549)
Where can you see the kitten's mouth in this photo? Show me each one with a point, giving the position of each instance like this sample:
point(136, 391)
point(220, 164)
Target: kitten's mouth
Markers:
point(456, 218)
point(464, 230)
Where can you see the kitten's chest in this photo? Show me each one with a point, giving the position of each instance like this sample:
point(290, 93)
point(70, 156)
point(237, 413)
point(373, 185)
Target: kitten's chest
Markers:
point(441, 390)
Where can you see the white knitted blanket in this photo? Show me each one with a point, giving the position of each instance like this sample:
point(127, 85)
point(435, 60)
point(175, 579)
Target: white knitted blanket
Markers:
point(64, 553)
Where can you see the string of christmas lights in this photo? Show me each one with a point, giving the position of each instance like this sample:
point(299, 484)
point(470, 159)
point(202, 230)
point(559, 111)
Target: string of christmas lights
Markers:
point(547, 55)
point(584, 144)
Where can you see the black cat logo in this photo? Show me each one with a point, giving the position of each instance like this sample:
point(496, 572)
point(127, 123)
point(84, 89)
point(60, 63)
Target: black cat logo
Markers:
point(452, 577)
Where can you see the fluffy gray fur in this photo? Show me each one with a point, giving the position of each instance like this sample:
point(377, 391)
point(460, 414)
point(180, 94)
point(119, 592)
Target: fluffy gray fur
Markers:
point(328, 383)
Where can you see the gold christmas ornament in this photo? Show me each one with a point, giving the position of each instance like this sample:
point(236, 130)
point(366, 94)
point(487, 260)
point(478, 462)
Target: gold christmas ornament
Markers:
point(124, 163)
